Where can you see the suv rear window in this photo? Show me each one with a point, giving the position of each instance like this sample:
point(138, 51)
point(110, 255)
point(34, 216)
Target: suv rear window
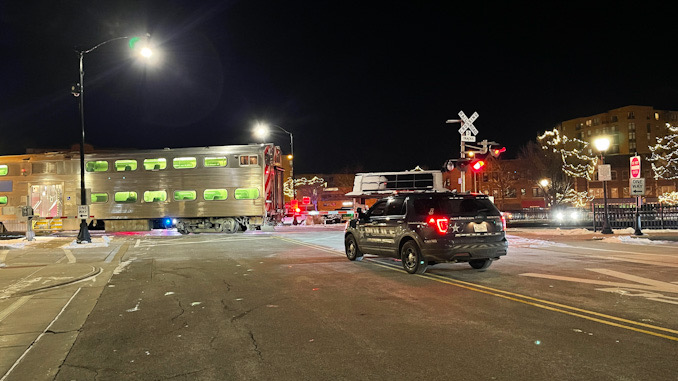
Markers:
point(463, 207)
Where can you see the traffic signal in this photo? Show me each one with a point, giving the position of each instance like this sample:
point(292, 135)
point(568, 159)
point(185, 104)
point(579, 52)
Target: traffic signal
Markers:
point(478, 166)
point(496, 151)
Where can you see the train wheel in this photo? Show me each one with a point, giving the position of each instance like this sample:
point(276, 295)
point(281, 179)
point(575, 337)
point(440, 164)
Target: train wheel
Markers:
point(229, 226)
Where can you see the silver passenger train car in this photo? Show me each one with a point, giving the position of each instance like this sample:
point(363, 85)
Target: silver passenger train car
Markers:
point(222, 189)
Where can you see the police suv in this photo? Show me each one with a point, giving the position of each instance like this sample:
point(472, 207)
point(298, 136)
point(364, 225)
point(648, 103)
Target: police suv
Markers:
point(428, 226)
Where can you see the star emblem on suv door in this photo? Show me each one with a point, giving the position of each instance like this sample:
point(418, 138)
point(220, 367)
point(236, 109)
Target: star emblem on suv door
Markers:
point(455, 228)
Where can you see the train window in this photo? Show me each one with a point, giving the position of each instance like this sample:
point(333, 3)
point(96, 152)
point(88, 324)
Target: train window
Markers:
point(215, 161)
point(97, 166)
point(4, 170)
point(125, 197)
point(189, 195)
point(249, 160)
point(3, 200)
point(99, 197)
point(155, 164)
point(215, 194)
point(184, 162)
point(125, 165)
point(155, 196)
point(246, 193)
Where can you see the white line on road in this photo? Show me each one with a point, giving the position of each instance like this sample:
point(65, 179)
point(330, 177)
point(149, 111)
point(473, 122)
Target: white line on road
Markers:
point(70, 256)
point(14, 306)
point(39, 337)
point(642, 283)
point(3, 257)
point(138, 242)
point(209, 241)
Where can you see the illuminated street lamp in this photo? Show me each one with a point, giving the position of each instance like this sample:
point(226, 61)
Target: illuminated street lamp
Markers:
point(78, 90)
point(602, 144)
point(544, 183)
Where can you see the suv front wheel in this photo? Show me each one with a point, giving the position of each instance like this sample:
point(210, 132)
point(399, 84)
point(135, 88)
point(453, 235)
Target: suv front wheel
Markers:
point(413, 262)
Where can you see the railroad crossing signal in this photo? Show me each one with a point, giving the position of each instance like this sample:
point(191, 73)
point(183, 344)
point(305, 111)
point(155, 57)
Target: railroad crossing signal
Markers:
point(467, 123)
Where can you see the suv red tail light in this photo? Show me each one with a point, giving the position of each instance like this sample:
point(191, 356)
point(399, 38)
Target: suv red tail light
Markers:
point(503, 222)
point(440, 223)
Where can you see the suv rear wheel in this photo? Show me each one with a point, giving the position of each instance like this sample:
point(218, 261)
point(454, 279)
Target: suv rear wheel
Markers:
point(410, 254)
point(353, 253)
point(480, 264)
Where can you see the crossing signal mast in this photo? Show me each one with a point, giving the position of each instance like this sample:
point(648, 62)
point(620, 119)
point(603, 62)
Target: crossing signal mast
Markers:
point(472, 155)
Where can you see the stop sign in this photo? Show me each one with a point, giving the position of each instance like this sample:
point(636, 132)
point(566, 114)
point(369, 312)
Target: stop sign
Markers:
point(635, 167)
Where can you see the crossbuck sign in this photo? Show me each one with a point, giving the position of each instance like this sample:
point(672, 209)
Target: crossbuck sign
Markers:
point(468, 131)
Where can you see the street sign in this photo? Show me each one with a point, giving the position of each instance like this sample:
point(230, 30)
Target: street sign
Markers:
point(637, 187)
point(83, 212)
point(468, 137)
point(635, 167)
point(604, 172)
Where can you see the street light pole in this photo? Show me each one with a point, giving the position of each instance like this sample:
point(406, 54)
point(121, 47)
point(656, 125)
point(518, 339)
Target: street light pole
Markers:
point(602, 144)
point(79, 91)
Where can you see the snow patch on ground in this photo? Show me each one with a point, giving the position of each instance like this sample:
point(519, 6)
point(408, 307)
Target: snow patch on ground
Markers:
point(515, 241)
point(20, 243)
point(635, 241)
point(121, 267)
point(96, 242)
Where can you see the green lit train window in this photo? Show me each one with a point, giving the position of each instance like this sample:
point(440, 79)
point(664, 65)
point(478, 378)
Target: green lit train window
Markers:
point(246, 193)
point(99, 197)
point(188, 195)
point(125, 165)
point(184, 162)
point(125, 197)
point(215, 161)
point(97, 166)
point(215, 194)
point(3, 170)
point(155, 164)
point(3, 200)
point(155, 196)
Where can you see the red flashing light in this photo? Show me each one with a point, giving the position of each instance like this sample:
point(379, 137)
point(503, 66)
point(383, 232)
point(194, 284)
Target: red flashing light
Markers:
point(441, 224)
point(478, 165)
point(497, 151)
point(297, 210)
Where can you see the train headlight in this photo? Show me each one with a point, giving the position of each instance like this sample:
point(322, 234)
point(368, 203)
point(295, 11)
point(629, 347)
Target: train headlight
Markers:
point(560, 216)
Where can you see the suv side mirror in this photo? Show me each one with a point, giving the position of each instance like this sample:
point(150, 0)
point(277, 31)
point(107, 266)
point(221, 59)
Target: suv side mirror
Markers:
point(361, 215)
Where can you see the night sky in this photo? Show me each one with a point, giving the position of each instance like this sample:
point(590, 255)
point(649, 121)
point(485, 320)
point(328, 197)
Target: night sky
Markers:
point(363, 86)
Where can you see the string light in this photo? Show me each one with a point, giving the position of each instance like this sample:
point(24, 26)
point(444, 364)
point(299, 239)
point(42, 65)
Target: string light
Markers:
point(664, 157)
point(287, 185)
point(576, 163)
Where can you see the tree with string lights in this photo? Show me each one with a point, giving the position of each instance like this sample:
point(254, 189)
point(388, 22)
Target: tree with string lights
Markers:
point(664, 157)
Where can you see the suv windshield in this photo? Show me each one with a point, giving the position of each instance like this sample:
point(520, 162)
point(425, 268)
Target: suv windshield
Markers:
point(464, 207)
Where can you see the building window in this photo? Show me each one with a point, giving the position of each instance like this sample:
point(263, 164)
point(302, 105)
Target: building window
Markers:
point(632, 145)
point(4, 170)
point(186, 195)
point(184, 162)
point(656, 116)
point(3, 200)
point(215, 194)
point(588, 123)
point(510, 193)
point(630, 115)
point(211, 162)
point(625, 191)
point(625, 174)
point(125, 197)
point(523, 192)
point(155, 196)
point(246, 193)
point(614, 129)
point(614, 118)
point(97, 166)
point(125, 165)
point(632, 126)
point(615, 192)
point(155, 164)
point(98, 198)
point(614, 175)
point(649, 136)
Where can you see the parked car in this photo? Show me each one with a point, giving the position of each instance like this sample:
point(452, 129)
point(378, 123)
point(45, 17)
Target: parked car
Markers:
point(425, 228)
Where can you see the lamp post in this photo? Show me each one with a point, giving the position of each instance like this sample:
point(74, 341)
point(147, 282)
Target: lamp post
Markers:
point(261, 130)
point(79, 91)
point(544, 183)
point(602, 144)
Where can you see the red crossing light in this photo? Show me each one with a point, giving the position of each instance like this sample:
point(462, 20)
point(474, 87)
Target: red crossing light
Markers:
point(496, 151)
point(478, 165)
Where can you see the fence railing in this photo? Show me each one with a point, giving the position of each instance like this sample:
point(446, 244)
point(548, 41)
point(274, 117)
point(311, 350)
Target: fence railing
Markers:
point(652, 216)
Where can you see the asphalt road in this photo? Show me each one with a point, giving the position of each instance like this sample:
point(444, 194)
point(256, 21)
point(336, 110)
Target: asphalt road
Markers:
point(288, 305)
